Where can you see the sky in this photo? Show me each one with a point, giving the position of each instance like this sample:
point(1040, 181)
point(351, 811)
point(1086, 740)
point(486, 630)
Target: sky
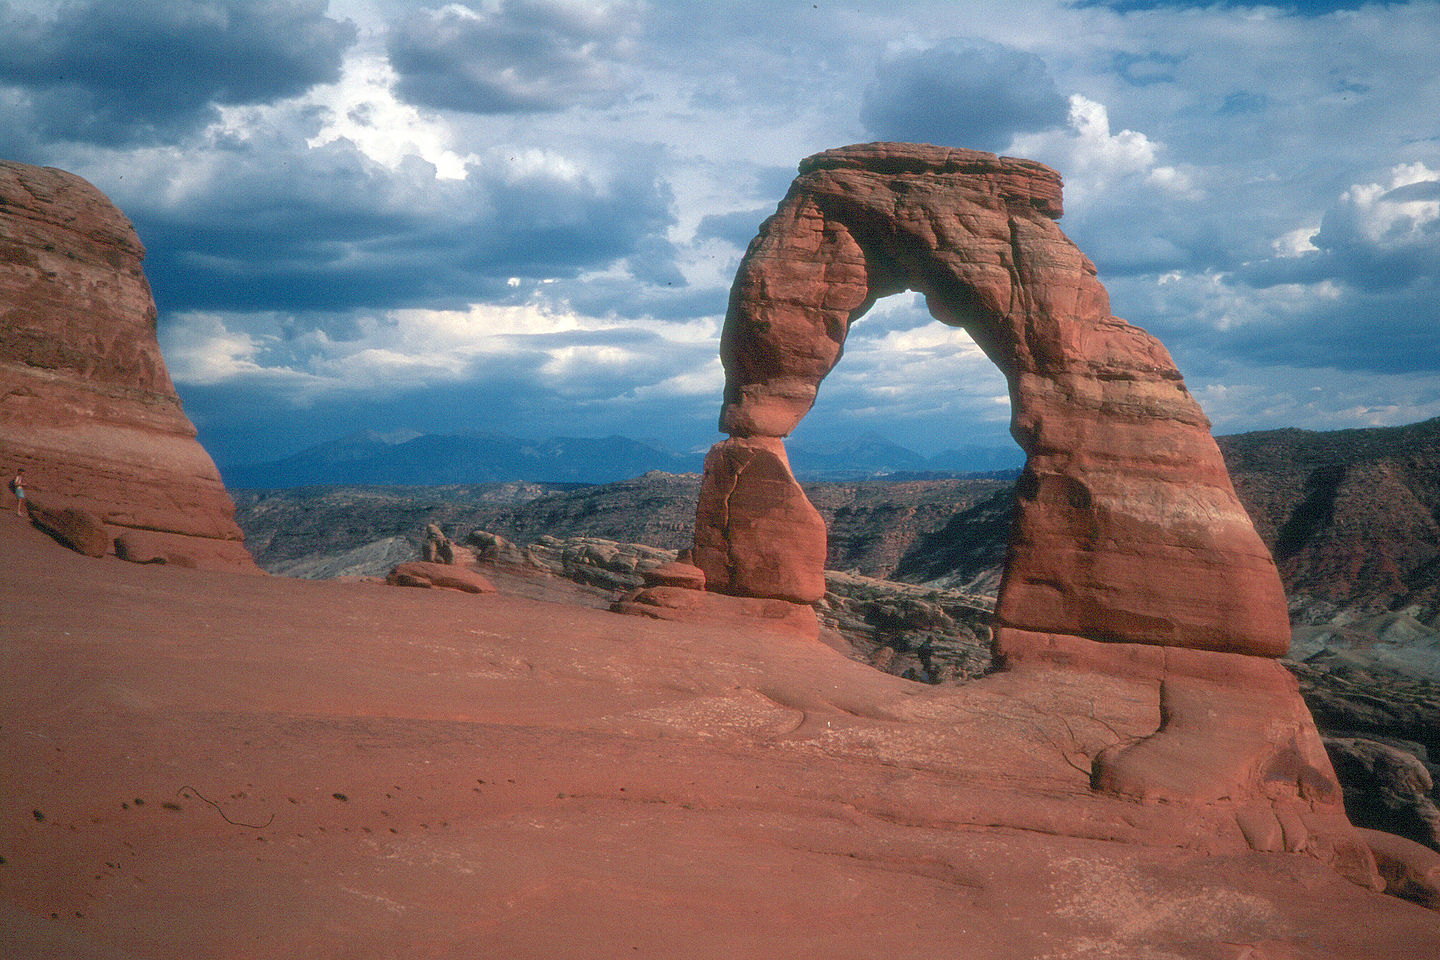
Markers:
point(524, 216)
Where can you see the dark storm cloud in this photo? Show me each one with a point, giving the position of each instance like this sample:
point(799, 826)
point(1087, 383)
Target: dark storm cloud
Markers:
point(145, 71)
point(525, 56)
point(962, 94)
point(654, 262)
point(622, 297)
point(738, 228)
point(279, 228)
point(1369, 331)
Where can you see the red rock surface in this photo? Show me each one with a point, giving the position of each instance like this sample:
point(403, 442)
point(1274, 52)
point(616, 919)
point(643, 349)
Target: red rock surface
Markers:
point(80, 530)
point(87, 407)
point(756, 534)
point(675, 574)
point(1128, 528)
point(1410, 870)
point(202, 765)
point(420, 573)
point(692, 605)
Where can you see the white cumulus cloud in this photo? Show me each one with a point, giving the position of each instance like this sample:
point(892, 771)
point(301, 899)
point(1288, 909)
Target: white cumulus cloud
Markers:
point(1404, 209)
point(1094, 160)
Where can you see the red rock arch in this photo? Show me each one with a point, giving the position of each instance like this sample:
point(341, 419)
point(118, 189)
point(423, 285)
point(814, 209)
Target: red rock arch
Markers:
point(1127, 527)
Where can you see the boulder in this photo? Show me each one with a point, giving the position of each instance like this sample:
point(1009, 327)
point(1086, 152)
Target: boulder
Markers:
point(437, 547)
point(134, 546)
point(90, 412)
point(675, 574)
point(1410, 871)
point(1386, 788)
point(418, 573)
point(80, 530)
point(591, 561)
point(493, 548)
point(1127, 527)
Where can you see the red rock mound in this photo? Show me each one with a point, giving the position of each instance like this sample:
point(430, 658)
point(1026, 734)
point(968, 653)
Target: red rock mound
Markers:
point(421, 573)
point(87, 408)
point(1127, 528)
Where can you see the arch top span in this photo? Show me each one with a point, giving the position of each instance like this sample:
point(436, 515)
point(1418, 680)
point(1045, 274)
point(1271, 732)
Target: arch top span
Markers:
point(1127, 527)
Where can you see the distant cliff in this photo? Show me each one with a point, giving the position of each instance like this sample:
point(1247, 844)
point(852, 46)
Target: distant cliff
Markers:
point(1352, 516)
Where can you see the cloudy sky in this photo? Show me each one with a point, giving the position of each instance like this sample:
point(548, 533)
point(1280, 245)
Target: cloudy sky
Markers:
point(523, 216)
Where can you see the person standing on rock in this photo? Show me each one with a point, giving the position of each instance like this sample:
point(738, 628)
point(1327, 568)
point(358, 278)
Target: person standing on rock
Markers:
point(17, 487)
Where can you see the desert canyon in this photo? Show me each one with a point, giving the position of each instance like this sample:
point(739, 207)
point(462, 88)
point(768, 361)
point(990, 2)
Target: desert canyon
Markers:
point(200, 761)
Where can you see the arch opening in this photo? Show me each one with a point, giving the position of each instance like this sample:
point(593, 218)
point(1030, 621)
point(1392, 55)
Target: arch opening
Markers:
point(905, 378)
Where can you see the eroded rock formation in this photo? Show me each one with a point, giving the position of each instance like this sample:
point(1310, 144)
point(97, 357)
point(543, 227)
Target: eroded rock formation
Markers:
point(1127, 529)
point(1130, 555)
point(87, 407)
point(447, 576)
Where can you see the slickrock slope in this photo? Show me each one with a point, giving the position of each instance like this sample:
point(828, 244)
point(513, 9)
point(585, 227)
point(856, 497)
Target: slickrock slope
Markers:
point(86, 404)
point(1127, 528)
point(202, 765)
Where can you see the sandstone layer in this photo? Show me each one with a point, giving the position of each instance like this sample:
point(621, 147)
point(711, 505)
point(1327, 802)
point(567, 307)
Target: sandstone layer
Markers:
point(1127, 527)
point(87, 407)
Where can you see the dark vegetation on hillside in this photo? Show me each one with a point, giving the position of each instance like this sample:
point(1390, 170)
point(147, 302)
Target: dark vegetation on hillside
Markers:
point(873, 523)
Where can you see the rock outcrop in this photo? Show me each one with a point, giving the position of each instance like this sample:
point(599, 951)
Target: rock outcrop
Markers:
point(1387, 787)
point(87, 407)
point(1127, 527)
point(437, 547)
point(80, 530)
point(446, 576)
point(1130, 557)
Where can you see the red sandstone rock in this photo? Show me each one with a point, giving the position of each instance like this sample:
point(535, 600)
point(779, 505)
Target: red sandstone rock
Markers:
point(689, 605)
point(88, 408)
point(419, 573)
point(526, 778)
point(80, 530)
point(675, 574)
point(149, 546)
point(134, 547)
point(756, 534)
point(1127, 528)
point(1411, 870)
point(1232, 729)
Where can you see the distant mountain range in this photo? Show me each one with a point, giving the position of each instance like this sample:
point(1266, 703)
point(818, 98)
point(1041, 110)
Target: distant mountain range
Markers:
point(415, 459)
point(1352, 516)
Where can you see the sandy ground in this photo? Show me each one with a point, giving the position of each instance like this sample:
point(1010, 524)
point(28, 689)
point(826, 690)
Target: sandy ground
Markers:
point(208, 765)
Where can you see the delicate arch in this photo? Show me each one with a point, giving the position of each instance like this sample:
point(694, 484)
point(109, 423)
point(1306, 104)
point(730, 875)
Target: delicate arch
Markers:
point(1127, 527)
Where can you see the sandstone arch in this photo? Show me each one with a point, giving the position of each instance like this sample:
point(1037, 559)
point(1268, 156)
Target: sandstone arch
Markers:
point(1127, 527)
